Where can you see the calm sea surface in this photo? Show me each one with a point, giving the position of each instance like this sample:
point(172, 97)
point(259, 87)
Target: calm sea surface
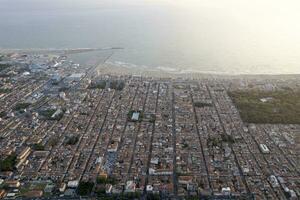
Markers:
point(206, 38)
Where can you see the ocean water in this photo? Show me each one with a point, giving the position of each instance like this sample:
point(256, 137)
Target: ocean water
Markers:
point(204, 36)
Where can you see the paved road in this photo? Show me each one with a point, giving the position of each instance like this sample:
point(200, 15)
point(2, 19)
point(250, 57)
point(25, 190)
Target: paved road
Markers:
point(175, 179)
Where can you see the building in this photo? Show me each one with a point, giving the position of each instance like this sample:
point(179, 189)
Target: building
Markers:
point(130, 186)
point(135, 116)
point(13, 183)
point(184, 180)
point(149, 188)
point(113, 147)
point(264, 148)
point(75, 77)
point(57, 113)
point(49, 188)
point(34, 194)
point(62, 187)
point(108, 188)
point(25, 153)
point(274, 181)
point(73, 184)
point(226, 191)
point(2, 193)
point(103, 175)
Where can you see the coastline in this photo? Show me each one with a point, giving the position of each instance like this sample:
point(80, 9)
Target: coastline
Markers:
point(113, 69)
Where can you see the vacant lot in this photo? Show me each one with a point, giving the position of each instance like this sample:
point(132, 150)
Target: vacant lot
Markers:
point(268, 107)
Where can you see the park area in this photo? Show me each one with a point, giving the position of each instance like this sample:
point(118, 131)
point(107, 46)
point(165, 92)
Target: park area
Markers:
point(268, 107)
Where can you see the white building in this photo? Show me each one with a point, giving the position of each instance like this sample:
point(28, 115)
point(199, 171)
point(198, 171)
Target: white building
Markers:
point(73, 184)
point(226, 191)
point(135, 116)
point(264, 148)
point(130, 186)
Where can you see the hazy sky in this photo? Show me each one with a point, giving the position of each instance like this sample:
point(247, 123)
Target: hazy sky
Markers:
point(215, 32)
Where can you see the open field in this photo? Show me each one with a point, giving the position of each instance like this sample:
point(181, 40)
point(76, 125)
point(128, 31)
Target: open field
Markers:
point(268, 107)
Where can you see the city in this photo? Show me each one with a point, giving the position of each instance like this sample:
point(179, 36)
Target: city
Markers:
point(67, 131)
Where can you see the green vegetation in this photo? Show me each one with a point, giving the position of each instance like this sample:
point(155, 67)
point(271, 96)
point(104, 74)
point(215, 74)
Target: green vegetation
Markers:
point(227, 138)
point(3, 114)
point(4, 66)
point(213, 142)
point(59, 116)
point(216, 141)
point(117, 85)
point(49, 112)
point(281, 106)
point(5, 90)
point(101, 84)
point(101, 191)
point(25, 189)
point(8, 164)
point(72, 140)
point(202, 104)
point(153, 196)
point(131, 195)
point(101, 182)
point(152, 118)
point(193, 198)
point(4, 186)
point(53, 141)
point(38, 147)
point(123, 196)
point(98, 85)
point(21, 106)
point(63, 89)
point(105, 197)
point(85, 188)
point(109, 180)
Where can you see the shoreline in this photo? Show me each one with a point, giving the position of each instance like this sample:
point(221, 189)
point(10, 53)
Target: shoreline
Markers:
point(110, 68)
point(122, 68)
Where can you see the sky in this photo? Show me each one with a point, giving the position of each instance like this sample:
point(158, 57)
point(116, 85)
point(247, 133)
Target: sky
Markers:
point(232, 32)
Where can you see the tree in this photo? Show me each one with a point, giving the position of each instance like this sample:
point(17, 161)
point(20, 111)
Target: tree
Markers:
point(21, 106)
point(4, 66)
point(85, 188)
point(202, 104)
point(38, 147)
point(72, 140)
point(8, 164)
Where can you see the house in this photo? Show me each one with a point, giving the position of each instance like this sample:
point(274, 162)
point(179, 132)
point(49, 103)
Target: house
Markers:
point(73, 184)
point(34, 194)
point(13, 183)
point(103, 175)
point(149, 188)
point(226, 191)
point(25, 153)
point(62, 187)
point(49, 188)
point(184, 180)
point(2, 193)
point(108, 188)
point(130, 186)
